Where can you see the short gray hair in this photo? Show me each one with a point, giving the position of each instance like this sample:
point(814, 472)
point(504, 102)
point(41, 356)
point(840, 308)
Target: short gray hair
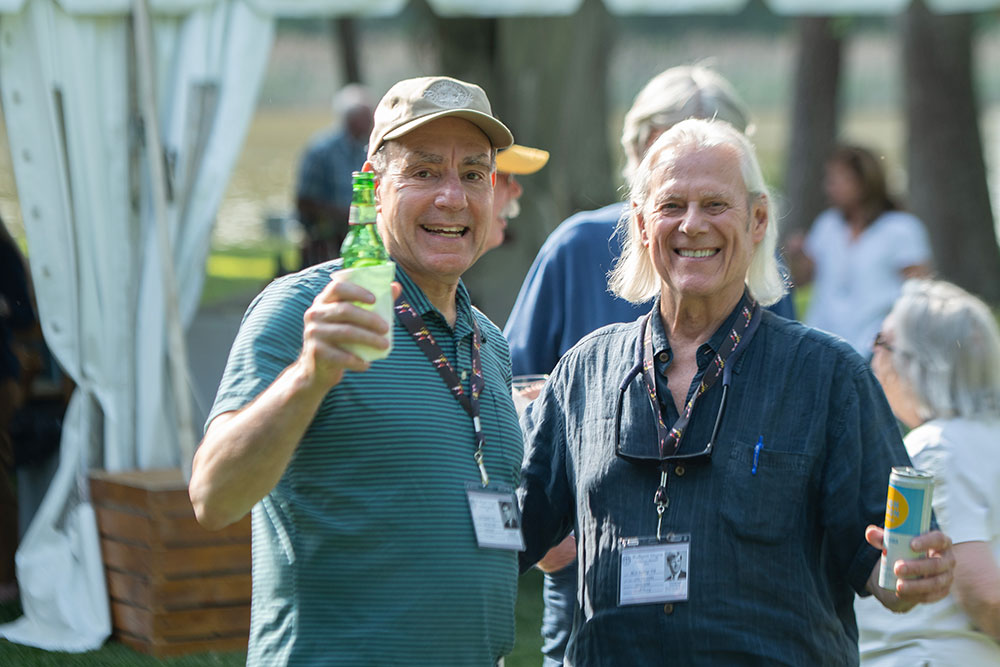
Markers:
point(946, 349)
point(633, 277)
point(674, 95)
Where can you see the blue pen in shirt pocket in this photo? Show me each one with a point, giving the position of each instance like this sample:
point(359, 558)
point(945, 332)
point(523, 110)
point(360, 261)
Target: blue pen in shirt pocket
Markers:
point(756, 454)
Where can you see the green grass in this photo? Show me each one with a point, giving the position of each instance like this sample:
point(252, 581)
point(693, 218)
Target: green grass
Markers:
point(528, 615)
point(239, 272)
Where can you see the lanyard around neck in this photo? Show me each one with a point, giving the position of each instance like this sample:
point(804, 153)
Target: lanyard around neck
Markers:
point(415, 324)
point(670, 439)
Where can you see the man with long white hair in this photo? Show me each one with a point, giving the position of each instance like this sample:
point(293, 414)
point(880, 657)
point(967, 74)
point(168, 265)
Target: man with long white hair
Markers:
point(565, 295)
point(754, 447)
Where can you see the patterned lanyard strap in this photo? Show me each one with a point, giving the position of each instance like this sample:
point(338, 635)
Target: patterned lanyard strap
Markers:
point(470, 403)
point(670, 439)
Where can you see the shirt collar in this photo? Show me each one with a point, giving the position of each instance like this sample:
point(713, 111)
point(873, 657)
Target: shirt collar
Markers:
point(416, 298)
point(706, 351)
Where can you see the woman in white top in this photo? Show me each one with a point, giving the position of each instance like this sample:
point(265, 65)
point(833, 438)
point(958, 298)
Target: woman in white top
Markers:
point(859, 251)
point(938, 359)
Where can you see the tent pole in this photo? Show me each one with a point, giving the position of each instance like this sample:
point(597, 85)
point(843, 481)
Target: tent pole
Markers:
point(177, 351)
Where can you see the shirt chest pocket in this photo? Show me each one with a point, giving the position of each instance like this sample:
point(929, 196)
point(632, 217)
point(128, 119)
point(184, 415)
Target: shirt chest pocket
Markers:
point(763, 497)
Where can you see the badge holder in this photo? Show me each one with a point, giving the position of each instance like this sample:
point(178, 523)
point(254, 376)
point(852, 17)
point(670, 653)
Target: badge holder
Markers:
point(495, 516)
point(654, 570)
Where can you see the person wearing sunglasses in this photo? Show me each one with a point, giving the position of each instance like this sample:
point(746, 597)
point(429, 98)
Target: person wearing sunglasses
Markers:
point(938, 359)
point(755, 448)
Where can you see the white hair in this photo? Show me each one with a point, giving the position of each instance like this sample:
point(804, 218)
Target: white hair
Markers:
point(946, 349)
point(350, 97)
point(687, 91)
point(633, 277)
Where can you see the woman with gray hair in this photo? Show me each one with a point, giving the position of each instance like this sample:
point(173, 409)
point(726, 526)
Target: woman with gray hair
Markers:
point(938, 359)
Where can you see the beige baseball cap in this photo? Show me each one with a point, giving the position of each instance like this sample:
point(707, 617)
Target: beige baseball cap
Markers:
point(520, 160)
point(414, 102)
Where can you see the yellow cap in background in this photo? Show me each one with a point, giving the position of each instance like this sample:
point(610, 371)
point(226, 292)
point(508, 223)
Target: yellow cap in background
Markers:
point(521, 159)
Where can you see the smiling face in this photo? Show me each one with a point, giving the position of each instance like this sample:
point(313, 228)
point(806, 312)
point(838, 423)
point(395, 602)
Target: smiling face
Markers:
point(435, 200)
point(698, 226)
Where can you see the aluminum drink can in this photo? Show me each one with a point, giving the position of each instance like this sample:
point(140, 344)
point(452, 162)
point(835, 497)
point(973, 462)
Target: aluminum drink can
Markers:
point(907, 514)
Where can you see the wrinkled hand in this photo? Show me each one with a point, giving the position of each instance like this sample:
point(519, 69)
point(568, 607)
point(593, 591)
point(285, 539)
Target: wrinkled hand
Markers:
point(334, 320)
point(559, 556)
point(922, 580)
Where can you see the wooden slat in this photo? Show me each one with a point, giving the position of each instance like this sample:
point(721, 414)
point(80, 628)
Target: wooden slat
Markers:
point(178, 562)
point(178, 531)
point(127, 557)
point(133, 620)
point(150, 492)
point(182, 625)
point(202, 623)
point(123, 526)
point(166, 532)
point(171, 595)
point(227, 589)
point(136, 591)
point(206, 560)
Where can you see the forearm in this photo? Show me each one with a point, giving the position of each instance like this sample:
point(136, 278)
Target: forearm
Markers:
point(245, 453)
point(977, 586)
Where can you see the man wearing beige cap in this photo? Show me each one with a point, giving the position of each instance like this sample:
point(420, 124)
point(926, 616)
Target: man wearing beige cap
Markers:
point(377, 487)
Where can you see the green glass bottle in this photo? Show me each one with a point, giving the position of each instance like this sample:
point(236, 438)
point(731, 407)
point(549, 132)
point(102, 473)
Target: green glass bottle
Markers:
point(362, 245)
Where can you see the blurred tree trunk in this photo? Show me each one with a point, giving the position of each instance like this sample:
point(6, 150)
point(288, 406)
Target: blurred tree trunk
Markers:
point(344, 33)
point(546, 78)
point(947, 174)
point(468, 51)
point(815, 120)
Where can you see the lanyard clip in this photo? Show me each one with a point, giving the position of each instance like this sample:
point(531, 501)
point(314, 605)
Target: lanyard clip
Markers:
point(661, 500)
point(478, 456)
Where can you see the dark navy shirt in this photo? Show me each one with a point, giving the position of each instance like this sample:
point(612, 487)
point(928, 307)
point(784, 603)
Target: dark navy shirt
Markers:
point(777, 556)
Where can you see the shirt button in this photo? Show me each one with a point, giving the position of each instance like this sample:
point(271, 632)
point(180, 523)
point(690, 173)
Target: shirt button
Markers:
point(664, 357)
point(668, 608)
point(679, 471)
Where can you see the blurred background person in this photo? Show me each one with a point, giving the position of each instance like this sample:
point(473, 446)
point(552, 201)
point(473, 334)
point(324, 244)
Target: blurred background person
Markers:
point(323, 193)
point(859, 251)
point(938, 359)
point(515, 161)
point(565, 295)
point(17, 318)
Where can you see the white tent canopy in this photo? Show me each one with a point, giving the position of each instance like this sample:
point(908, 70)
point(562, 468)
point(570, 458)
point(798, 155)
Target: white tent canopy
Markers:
point(72, 113)
point(109, 189)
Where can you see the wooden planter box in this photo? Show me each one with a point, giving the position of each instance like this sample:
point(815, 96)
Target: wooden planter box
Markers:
point(175, 587)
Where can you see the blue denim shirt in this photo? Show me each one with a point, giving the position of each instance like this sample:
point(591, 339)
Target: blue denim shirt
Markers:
point(776, 556)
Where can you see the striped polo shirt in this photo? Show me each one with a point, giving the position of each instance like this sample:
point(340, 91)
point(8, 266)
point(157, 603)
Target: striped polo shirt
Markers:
point(365, 553)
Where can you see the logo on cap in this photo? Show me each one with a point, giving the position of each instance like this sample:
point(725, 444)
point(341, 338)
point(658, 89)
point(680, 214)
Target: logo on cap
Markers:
point(448, 94)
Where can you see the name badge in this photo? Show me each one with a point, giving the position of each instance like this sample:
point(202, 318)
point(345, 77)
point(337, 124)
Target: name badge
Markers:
point(654, 571)
point(495, 516)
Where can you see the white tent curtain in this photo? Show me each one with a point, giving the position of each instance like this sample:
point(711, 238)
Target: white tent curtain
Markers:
point(82, 181)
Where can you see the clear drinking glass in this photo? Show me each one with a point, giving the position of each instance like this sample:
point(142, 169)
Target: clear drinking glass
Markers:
point(524, 390)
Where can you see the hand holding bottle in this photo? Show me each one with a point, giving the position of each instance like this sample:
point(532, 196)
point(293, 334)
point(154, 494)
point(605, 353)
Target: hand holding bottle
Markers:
point(336, 323)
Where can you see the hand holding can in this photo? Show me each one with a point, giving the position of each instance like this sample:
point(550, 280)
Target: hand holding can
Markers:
point(907, 515)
